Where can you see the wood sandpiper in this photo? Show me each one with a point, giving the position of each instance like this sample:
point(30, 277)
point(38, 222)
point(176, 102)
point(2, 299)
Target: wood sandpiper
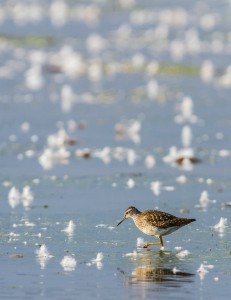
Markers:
point(155, 223)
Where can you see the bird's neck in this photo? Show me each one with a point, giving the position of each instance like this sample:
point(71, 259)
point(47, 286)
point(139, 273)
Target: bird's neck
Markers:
point(135, 215)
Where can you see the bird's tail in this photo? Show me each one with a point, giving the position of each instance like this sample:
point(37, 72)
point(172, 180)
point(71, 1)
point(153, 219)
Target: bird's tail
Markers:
point(187, 221)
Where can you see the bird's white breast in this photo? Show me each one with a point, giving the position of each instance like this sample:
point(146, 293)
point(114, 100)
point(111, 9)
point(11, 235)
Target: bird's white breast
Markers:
point(155, 231)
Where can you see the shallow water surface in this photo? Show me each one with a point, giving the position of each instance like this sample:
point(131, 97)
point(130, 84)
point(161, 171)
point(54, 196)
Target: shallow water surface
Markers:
point(112, 104)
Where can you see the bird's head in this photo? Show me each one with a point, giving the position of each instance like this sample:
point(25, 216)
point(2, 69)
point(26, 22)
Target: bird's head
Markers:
point(129, 213)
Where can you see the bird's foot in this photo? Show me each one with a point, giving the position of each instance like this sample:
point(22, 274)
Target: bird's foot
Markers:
point(151, 244)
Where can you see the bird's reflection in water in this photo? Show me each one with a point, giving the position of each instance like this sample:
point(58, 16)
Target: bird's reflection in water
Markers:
point(157, 267)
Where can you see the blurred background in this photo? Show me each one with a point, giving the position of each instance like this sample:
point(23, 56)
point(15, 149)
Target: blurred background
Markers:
point(103, 105)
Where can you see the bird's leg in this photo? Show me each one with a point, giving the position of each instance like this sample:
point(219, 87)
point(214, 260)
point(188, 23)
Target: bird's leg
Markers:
point(155, 243)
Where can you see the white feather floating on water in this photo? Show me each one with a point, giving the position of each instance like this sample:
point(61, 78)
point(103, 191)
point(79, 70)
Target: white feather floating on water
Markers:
point(131, 157)
point(50, 157)
point(95, 70)
point(181, 179)
point(186, 111)
point(150, 161)
point(101, 225)
point(155, 187)
point(95, 43)
point(68, 263)
point(103, 154)
point(69, 229)
point(224, 153)
point(168, 188)
point(33, 77)
point(25, 126)
point(130, 183)
point(133, 254)
point(180, 157)
point(27, 197)
point(178, 248)
point(67, 98)
point(203, 270)
point(186, 136)
point(43, 255)
point(43, 252)
point(58, 13)
point(57, 139)
point(14, 197)
point(98, 260)
point(104, 226)
point(204, 200)
point(182, 254)
point(221, 226)
point(207, 71)
point(152, 89)
point(129, 129)
point(171, 156)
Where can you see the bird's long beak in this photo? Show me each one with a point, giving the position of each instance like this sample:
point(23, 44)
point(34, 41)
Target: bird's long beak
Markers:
point(121, 221)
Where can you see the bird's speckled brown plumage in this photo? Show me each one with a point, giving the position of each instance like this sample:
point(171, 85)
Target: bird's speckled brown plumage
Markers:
point(155, 223)
point(161, 219)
